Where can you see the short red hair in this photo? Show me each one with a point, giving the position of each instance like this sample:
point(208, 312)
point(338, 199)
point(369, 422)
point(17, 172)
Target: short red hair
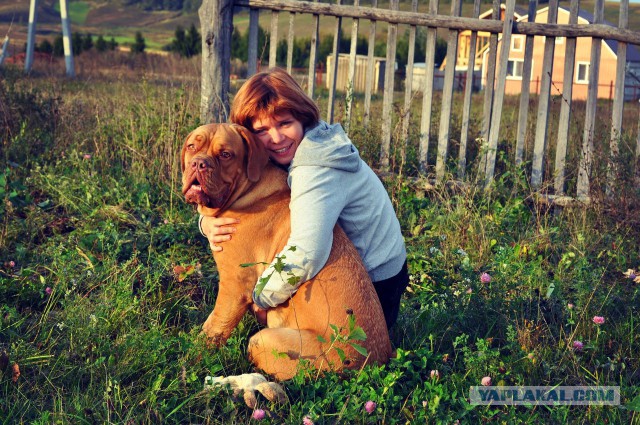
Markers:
point(272, 92)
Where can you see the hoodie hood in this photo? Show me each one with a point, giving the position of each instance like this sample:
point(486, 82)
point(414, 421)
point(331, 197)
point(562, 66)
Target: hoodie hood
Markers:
point(327, 145)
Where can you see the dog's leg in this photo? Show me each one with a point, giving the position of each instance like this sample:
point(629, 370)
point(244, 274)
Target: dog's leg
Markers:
point(278, 352)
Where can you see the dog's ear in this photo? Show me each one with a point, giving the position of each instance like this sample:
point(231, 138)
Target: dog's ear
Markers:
point(257, 156)
point(184, 151)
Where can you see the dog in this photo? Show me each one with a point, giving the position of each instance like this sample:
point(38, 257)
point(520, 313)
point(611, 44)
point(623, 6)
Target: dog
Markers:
point(227, 172)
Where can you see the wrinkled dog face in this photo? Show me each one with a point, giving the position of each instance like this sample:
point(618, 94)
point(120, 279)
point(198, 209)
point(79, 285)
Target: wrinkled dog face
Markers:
point(212, 157)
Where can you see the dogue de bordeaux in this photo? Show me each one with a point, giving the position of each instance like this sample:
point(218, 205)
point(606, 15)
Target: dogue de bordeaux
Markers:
point(227, 172)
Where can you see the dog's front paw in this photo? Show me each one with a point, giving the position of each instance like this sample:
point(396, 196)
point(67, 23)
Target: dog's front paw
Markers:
point(247, 385)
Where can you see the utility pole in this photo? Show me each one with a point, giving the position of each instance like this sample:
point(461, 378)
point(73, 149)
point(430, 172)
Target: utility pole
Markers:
point(66, 37)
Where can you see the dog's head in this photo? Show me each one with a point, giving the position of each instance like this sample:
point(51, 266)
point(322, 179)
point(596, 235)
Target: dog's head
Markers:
point(217, 159)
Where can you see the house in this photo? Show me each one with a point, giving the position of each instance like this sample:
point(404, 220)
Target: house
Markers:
point(360, 77)
point(482, 40)
point(607, 73)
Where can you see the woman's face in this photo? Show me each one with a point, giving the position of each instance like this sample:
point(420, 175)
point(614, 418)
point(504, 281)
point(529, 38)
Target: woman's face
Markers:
point(281, 134)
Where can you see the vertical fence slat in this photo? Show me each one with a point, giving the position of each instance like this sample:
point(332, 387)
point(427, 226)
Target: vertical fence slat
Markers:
point(252, 47)
point(489, 88)
point(387, 101)
point(542, 116)
point(447, 95)
point(408, 81)
point(313, 54)
point(290, 37)
point(427, 92)
point(637, 157)
point(564, 120)
point(618, 99)
point(498, 98)
point(491, 74)
point(352, 70)
point(468, 90)
point(273, 41)
point(525, 95)
point(332, 74)
point(370, 69)
point(590, 117)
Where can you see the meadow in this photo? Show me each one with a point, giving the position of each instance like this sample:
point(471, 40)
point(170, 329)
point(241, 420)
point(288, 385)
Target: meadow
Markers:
point(105, 280)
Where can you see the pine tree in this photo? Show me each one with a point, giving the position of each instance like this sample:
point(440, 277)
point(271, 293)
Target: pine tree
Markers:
point(139, 45)
point(101, 44)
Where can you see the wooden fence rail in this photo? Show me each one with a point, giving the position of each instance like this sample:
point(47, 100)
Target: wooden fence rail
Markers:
point(216, 18)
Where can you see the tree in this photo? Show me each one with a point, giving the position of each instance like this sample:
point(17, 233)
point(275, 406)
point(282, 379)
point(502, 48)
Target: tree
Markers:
point(139, 45)
point(87, 42)
point(76, 43)
point(45, 46)
point(112, 44)
point(101, 44)
point(58, 46)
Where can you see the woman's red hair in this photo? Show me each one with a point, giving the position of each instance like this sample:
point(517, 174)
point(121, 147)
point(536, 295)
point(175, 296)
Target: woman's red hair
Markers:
point(269, 93)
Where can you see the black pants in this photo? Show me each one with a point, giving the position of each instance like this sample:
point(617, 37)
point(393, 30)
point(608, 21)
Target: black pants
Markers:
point(389, 292)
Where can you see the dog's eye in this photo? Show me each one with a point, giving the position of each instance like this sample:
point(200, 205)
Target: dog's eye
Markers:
point(191, 147)
point(224, 155)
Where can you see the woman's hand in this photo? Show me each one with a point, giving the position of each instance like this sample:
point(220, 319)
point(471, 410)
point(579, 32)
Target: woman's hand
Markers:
point(217, 230)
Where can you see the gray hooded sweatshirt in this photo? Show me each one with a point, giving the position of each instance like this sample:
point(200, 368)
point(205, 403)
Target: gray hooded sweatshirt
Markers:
point(331, 184)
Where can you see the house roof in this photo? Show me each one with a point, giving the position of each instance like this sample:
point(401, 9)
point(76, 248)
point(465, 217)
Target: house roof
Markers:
point(633, 54)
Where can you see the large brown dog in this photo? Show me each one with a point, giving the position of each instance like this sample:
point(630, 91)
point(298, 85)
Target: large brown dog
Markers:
point(226, 172)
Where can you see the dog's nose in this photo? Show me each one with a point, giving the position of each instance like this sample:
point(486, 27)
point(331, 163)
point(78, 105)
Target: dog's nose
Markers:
point(198, 164)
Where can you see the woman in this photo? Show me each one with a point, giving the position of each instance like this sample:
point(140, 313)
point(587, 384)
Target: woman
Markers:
point(329, 183)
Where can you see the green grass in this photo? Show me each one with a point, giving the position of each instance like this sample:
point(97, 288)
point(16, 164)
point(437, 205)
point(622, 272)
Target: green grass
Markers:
point(103, 330)
point(77, 11)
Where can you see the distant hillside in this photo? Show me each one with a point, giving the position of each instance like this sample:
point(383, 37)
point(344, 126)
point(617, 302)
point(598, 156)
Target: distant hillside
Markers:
point(157, 20)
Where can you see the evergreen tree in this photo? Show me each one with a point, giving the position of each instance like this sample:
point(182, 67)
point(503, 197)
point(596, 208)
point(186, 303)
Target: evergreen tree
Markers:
point(58, 46)
point(112, 44)
point(139, 45)
point(76, 43)
point(193, 42)
point(45, 46)
point(87, 42)
point(101, 44)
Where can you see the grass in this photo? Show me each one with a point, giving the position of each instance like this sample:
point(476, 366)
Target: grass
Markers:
point(77, 11)
point(104, 330)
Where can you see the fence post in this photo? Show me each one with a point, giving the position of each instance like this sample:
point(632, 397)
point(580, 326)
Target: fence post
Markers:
point(216, 22)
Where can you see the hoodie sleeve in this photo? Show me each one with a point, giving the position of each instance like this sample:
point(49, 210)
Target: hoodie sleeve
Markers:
point(316, 204)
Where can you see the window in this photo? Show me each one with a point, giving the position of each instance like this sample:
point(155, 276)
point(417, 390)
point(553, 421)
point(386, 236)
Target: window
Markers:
point(582, 72)
point(514, 69)
point(517, 43)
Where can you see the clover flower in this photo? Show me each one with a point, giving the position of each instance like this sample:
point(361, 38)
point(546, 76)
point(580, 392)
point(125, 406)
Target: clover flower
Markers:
point(12, 264)
point(578, 345)
point(86, 156)
point(631, 274)
point(370, 406)
point(48, 290)
point(434, 374)
point(485, 278)
point(307, 421)
point(486, 381)
point(598, 320)
point(258, 414)
point(570, 306)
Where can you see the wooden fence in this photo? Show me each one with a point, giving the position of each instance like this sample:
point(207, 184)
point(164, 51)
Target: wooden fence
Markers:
point(216, 18)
